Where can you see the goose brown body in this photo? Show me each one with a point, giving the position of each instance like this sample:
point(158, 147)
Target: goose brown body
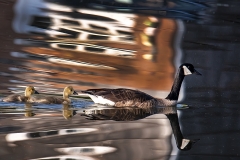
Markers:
point(123, 97)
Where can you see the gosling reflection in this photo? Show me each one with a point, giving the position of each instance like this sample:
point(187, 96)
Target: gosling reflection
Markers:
point(28, 110)
point(130, 114)
point(68, 112)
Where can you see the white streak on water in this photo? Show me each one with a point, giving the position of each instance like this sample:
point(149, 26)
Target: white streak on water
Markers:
point(12, 137)
point(66, 157)
point(88, 151)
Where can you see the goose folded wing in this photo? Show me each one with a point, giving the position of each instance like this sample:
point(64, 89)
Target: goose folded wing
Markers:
point(120, 95)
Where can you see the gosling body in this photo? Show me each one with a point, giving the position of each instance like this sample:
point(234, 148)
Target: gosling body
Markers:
point(29, 91)
point(68, 91)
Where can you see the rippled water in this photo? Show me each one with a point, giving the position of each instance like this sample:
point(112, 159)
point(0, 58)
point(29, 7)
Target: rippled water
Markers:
point(136, 44)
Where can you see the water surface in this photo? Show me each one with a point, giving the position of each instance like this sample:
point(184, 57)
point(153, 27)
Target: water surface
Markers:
point(134, 44)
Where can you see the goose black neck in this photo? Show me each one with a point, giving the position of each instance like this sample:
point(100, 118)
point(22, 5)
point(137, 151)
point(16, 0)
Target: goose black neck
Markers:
point(173, 118)
point(173, 95)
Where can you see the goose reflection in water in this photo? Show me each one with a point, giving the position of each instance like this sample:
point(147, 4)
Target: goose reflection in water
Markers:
point(131, 114)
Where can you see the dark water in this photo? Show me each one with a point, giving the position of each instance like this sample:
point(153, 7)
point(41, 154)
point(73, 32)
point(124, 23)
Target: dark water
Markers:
point(50, 44)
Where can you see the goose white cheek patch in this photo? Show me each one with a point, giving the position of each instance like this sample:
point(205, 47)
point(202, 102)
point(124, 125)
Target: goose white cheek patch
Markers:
point(184, 143)
point(186, 71)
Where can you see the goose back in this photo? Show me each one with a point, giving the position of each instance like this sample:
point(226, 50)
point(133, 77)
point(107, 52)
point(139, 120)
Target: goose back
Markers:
point(121, 97)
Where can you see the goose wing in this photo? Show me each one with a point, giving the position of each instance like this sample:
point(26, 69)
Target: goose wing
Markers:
point(118, 97)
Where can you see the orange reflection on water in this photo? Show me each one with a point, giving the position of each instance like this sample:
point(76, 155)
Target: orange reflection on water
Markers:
point(137, 52)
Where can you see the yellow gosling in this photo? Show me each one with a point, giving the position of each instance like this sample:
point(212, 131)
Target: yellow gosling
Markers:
point(29, 91)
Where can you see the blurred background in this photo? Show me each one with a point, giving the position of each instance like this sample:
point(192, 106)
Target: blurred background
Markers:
point(135, 44)
point(50, 44)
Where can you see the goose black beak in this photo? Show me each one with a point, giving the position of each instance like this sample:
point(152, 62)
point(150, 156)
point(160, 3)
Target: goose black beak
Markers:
point(36, 92)
point(197, 73)
point(75, 93)
point(194, 141)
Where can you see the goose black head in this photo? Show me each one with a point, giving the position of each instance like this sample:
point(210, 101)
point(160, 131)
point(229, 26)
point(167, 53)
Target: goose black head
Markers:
point(187, 144)
point(189, 69)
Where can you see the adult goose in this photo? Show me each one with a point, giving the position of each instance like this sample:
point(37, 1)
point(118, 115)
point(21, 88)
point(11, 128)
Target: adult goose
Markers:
point(123, 97)
point(68, 91)
point(29, 91)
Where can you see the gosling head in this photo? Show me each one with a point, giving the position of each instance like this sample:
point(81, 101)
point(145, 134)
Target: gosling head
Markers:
point(187, 144)
point(68, 91)
point(189, 69)
point(30, 90)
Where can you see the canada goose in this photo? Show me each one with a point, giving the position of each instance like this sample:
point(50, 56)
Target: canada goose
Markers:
point(56, 100)
point(123, 97)
point(30, 90)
